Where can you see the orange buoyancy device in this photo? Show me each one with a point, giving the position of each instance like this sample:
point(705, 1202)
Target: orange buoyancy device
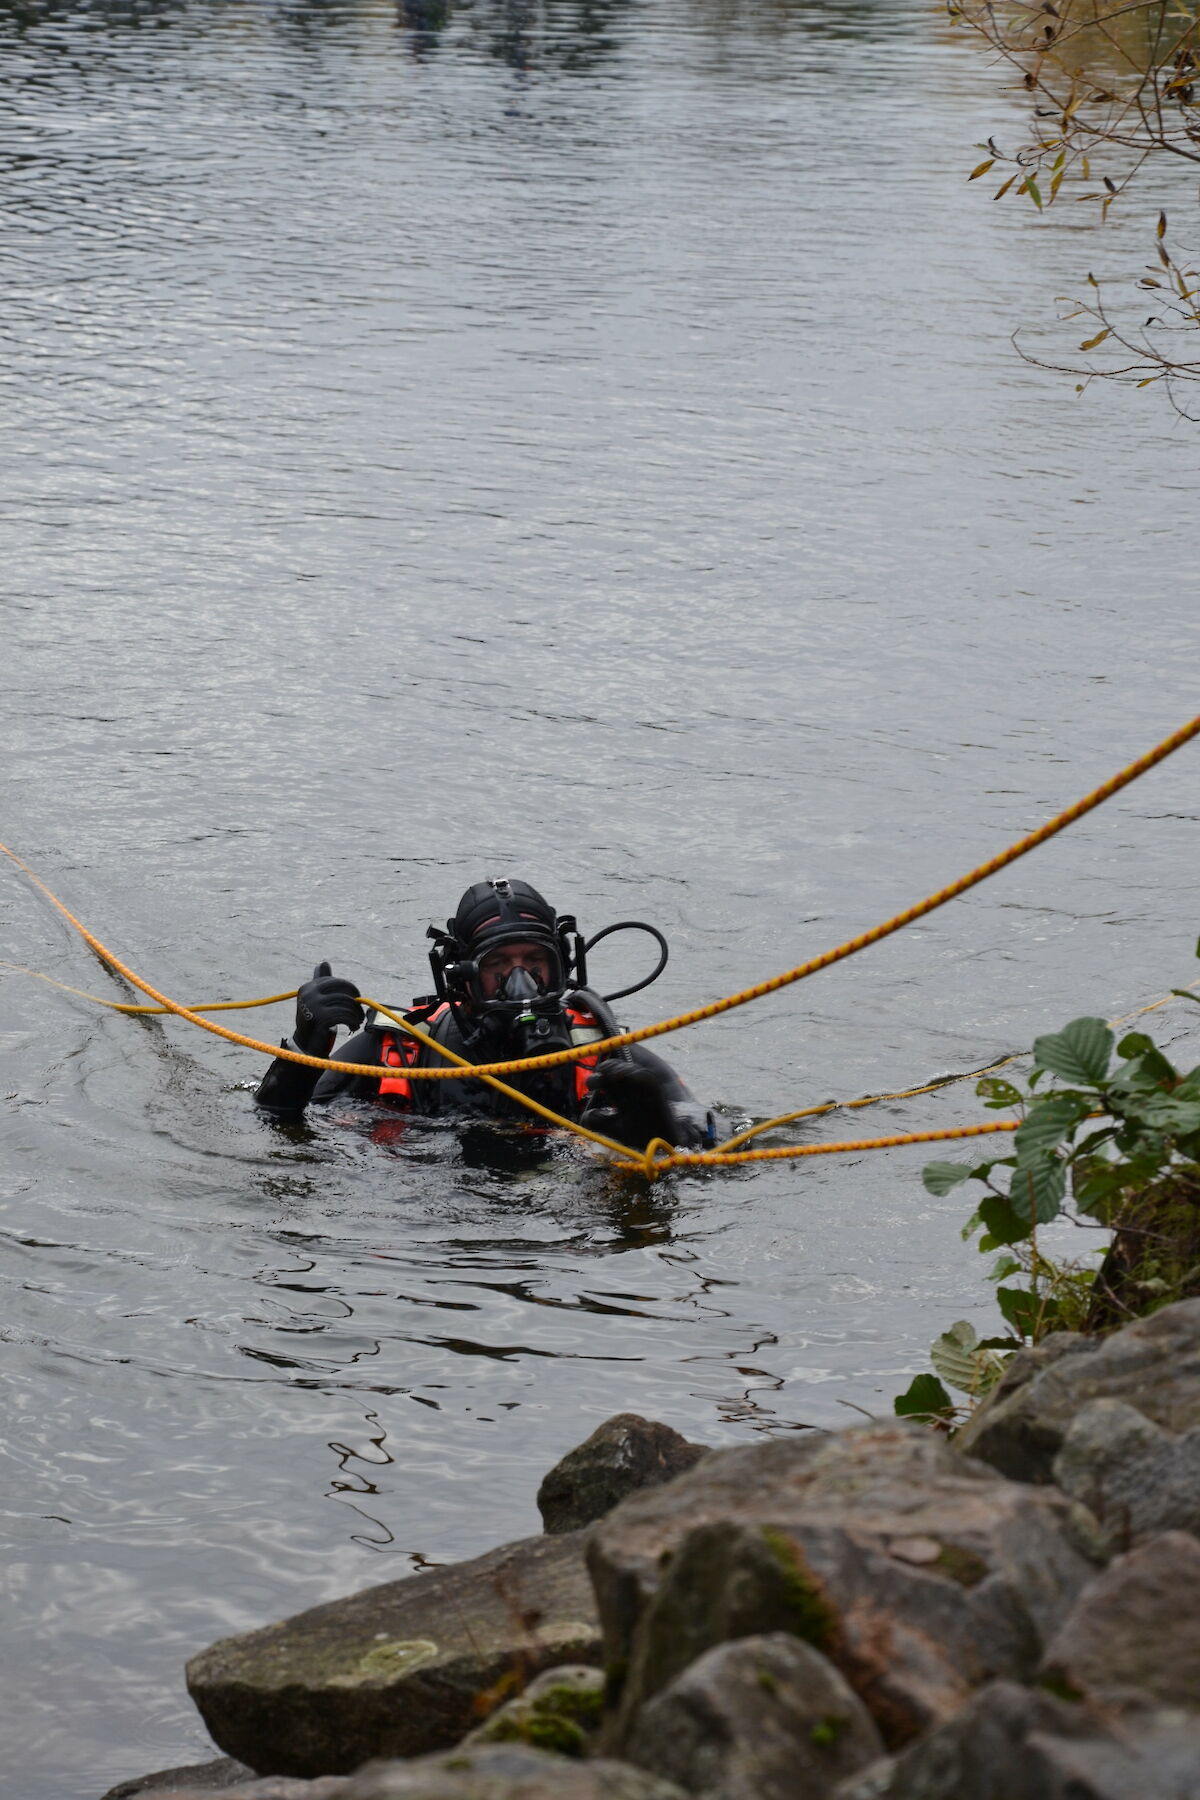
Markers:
point(400, 1053)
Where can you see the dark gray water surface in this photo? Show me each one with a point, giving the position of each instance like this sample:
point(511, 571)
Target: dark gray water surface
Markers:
point(578, 441)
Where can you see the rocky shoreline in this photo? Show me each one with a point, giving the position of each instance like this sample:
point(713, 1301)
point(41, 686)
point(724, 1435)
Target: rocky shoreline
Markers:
point(877, 1614)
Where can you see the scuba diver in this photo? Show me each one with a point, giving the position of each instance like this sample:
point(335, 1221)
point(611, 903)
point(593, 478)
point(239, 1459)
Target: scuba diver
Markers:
point(510, 976)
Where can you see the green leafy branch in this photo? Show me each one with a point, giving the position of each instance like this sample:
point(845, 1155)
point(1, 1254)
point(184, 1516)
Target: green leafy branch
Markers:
point(1103, 1124)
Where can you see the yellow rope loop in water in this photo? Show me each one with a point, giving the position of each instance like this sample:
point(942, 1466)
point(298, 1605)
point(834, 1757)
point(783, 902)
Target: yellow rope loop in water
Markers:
point(486, 1071)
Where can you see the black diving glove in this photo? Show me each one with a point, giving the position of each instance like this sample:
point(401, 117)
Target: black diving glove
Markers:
point(323, 1004)
point(637, 1096)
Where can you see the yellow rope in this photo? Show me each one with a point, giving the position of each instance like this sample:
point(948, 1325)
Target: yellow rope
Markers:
point(828, 1106)
point(501, 1087)
point(556, 1058)
point(652, 1163)
point(121, 1007)
point(658, 1156)
point(930, 1087)
point(185, 1012)
point(452, 1056)
point(877, 933)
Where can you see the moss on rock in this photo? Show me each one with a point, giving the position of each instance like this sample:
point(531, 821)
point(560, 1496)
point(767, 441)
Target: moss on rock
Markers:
point(810, 1615)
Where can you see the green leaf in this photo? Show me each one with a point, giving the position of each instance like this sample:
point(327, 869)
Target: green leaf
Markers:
point(997, 1092)
point(1004, 1267)
point(962, 1361)
point(1134, 1043)
point(1092, 1142)
point(1099, 1188)
point(1144, 1151)
point(1004, 1224)
point(1080, 1052)
point(953, 1356)
point(1165, 1112)
point(1038, 1188)
point(1048, 1122)
point(1023, 1310)
point(924, 1395)
point(991, 1368)
point(940, 1177)
point(1147, 1071)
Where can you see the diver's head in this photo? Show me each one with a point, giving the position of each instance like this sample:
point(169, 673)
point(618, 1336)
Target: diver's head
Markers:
point(503, 963)
point(507, 938)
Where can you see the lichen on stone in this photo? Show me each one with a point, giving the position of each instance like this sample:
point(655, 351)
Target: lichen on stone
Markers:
point(387, 1661)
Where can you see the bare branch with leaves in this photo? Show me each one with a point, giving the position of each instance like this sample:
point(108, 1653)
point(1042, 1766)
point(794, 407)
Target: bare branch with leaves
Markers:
point(1114, 84)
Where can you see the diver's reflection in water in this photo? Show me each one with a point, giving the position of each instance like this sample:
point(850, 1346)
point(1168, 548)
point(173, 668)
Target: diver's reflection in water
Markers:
point(513, 28)
point(640, 1213)
point(515, 1152)
point(425, 20)
point(524, 34)
point(574, 37)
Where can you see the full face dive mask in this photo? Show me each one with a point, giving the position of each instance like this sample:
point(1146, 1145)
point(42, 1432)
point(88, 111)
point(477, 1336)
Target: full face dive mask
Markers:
point(529, 1017)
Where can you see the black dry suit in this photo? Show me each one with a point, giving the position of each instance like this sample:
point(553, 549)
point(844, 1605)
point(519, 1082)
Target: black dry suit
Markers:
point(631, 1095)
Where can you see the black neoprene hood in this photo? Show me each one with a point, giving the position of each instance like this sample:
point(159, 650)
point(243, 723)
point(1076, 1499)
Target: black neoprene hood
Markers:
point(501, 912)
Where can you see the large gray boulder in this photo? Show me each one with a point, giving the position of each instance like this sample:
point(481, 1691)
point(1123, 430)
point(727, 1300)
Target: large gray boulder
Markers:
point(918, 1573)
point(1133, 1636)
point(1152, 1365)
point(492, 1772)
point(201, 1778)
point(1013, 1743)
point(1133, 1476)
point(624, 1454)
point(400, 1669)
point(252, 1787)
point(765, 1718)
